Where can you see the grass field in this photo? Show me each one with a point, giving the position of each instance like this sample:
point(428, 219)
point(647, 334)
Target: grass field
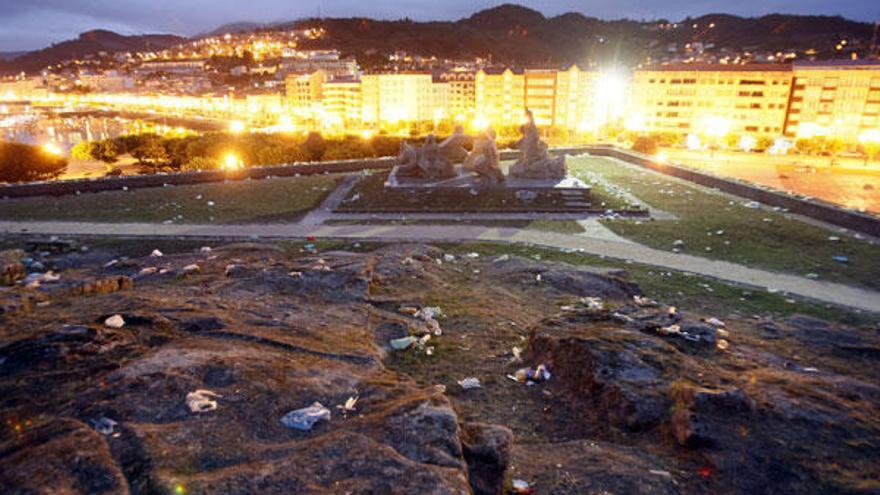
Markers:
point(714, 225)
point(267, 201)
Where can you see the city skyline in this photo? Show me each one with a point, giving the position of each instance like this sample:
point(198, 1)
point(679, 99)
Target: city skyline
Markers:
point(34, 25)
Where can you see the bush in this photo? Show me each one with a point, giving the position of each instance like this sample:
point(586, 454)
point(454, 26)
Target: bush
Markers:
point(646, 145)
point(23, 163)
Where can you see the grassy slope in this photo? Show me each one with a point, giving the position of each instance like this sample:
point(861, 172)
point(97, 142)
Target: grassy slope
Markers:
point(760, 238)
point(270, 200)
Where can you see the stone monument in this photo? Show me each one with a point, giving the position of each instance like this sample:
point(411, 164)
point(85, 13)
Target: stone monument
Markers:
point(484, 160)
point(534, 160)
point(432, 160)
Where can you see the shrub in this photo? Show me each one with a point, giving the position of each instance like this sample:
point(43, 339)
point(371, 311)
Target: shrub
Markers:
point(22, 163)
point(646, 145)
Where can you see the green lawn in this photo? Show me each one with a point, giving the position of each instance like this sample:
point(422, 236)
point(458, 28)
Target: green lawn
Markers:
point(252, 201)
point(760, 238)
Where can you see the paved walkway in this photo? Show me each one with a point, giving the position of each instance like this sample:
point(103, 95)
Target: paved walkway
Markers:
point(812, 289)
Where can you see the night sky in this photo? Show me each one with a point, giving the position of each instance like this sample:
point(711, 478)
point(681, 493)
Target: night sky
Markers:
point(31, 24)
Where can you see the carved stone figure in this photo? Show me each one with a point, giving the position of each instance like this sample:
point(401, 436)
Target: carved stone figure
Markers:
point(431, 160)
point(484, 159)
point(534, 161)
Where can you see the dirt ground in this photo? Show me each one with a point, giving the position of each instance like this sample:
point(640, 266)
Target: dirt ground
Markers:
point(641, 397)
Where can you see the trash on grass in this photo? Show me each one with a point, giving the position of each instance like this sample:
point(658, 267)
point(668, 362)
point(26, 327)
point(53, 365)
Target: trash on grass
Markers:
point(305, 418)
point(521, 487)
point(403, 343)
point(193, 268)
point(715, 322)
point(349, 405)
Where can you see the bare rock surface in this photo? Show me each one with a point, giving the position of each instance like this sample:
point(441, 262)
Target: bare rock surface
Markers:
point(641, 398)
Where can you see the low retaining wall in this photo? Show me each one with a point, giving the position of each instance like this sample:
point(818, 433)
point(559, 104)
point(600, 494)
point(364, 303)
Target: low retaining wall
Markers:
point(813, 208)
point(61, 187)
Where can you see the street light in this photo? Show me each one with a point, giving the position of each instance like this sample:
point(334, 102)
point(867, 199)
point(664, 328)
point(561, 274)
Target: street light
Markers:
point(232, 162)
point(52, 149)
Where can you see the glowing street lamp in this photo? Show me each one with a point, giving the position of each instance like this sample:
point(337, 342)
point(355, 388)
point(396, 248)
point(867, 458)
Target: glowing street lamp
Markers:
point(52, 149)
point(236, 127)
point(870, 141)
point(232, 162)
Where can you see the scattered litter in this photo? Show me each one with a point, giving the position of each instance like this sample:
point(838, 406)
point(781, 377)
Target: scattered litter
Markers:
point(34, 280)
point(659, 472)
point(840, 259)
point(517, 354)
point(670, 330)
point(295, 274)
point(321, 266)
point(715, 322)
point(833, 238)
point(502, 258)
point(473, 255)
point(148, 271)
point(810, 370)
point(719, 232)
point(812, 276)
point(752, 204)
point(622, 318)
point(408, 310)
point(722, 333)
point(722, 344)
point(115, 321)
point(531, 376)
point(193, 268)
point(448, 258)
point(469, 383)
point(205, 250)
point(430, 312)
point(644, 301)
point(210, 203)
point(348, 406)
point(521, 487)
point(105, 426)
point(163, 271)
point(156, 254)
point(230, 269)
point(403, 343)
point(202, 401)
point(305, 418)
point(538, 278)
point(593, 303)
point(678, 243)
point(111, 263)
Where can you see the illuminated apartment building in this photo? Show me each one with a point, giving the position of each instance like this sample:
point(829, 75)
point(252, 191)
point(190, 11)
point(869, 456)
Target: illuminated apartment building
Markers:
point(388, 99)
point(711, 99)
point(304, 90)
point(461, 94)
point(834, 98)
point(341, 100)
point(540, 95)
point(499, 97)
point(575, 99)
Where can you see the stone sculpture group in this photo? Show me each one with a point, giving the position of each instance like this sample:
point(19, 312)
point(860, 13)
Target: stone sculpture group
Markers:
point(436, 161)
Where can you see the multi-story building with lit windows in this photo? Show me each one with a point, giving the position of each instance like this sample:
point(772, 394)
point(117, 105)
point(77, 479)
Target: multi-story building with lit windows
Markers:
point(499, 97)
point(576, 99)
point(540, 95)
point(396, 98)
point(461, 94)
point(834, 98)
point(711, 99)
point(341, 100)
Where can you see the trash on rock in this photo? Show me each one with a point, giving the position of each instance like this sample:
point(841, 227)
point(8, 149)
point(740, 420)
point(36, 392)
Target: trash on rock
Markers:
point(305, 418)
point(715, 322)
point(531, 376)
point(722, 345)
point(644, 302)
point(502, 258)
point(147, 271)
point(349, 405)
point(202, 401)
point(35, 280)
point(115, 321)
point(403, 343)
point(469, 383)
point(321, 266)
point(105, 426)
point(521, 487)
point(205, 250)
point(156, 254)
point(193, 268)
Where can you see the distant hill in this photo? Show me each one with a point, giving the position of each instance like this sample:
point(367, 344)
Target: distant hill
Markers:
point(517, 35)
point(509, 34)
point(87, 43)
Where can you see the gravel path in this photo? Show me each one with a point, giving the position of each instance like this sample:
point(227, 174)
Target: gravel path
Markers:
point(812, 289)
